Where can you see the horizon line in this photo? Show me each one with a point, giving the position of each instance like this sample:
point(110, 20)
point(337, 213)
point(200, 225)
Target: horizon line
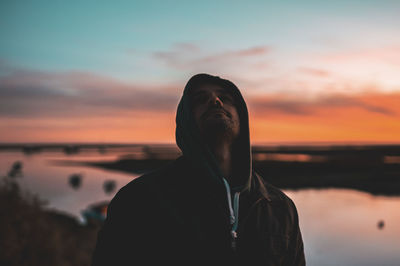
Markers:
point(276, 143)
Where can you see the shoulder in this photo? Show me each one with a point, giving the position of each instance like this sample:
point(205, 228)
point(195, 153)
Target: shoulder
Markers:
point(278, 198)
point(139, 195)
point(142, 186)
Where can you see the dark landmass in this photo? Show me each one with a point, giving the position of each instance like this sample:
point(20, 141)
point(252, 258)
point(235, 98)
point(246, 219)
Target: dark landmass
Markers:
point(374, 169)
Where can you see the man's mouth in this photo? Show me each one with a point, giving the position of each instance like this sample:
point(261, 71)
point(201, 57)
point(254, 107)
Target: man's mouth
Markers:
point(216, 112)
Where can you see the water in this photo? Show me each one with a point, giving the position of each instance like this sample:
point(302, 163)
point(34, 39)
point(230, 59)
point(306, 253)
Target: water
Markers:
point(44, 177)
point(339, 226)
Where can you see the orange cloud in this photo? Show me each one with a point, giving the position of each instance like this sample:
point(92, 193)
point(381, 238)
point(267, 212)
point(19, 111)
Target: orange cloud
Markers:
point(314, 71)
point(299, 105)
point(366, 117)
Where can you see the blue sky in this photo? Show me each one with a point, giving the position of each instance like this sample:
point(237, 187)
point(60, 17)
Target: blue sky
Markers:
point(118, 38)
point(295, 50)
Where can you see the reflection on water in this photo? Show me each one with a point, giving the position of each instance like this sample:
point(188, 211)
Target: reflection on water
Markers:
point(340, 227)
point(297, 157)
point(67, 188)
point(391, 159)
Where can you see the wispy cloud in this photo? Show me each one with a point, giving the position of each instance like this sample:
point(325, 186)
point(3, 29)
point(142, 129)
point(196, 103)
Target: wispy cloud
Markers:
point(379, 65)
point(314, 71)
point(187, 55)
point(289, 105)
point(28, 93)
point(239, 54)
point(389, 55)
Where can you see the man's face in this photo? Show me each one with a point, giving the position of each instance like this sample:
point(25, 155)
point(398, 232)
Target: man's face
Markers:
point(214, 110)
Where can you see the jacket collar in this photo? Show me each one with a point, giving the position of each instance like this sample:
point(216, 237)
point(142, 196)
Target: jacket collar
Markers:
point(259, 186)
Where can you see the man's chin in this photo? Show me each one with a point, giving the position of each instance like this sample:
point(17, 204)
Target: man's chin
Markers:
point(216, 122)
point(218, 127)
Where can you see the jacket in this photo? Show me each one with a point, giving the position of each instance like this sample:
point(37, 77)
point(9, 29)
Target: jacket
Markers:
point(188, 214)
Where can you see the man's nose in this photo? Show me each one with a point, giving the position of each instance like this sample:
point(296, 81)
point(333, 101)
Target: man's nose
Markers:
point(217, 101)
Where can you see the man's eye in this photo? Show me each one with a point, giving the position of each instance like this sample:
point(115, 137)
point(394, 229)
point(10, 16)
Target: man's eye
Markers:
point(200, 98)
point(226, 99)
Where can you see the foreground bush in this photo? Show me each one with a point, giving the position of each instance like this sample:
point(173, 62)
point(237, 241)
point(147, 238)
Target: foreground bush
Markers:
point(31, 235)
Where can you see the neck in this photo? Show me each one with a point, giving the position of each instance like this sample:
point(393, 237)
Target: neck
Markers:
point(222, 150)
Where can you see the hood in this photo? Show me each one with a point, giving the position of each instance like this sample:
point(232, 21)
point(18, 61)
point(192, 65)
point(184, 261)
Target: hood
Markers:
point(195, 150)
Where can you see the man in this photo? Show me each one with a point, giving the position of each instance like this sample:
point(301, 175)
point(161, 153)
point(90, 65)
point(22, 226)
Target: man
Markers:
point(208, 207)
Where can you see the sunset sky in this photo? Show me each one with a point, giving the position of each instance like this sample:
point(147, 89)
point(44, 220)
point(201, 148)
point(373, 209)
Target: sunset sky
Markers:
point(113, 71)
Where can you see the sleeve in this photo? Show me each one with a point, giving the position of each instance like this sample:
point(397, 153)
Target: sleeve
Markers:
point(296, 255)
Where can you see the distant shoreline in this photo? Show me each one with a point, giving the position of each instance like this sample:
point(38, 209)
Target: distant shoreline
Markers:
point(371, 168)
point(52, 145)
point(267, 146)
point(368, 173)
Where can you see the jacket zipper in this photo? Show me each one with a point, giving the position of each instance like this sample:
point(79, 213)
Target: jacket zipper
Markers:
point(233, 213)
point(236, 221)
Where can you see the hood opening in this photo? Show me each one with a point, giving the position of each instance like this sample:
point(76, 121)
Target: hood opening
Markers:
point(193, 147)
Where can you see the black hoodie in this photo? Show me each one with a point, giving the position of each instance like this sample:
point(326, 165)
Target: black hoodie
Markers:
point(184, 213)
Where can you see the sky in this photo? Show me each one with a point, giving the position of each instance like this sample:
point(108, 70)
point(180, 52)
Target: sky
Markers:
point(114, 71)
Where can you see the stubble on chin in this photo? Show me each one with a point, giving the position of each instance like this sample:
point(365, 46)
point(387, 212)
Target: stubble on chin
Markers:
point(216, 129)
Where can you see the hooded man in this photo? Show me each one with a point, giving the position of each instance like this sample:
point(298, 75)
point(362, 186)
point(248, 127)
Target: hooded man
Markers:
point(209, 207)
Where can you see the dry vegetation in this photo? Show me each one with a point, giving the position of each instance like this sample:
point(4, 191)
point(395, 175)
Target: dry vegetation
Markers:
point(31, 235)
